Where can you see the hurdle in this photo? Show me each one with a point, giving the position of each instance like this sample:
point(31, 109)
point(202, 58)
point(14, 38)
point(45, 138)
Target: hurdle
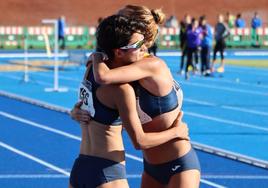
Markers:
point(26, 63)
point(56, 87)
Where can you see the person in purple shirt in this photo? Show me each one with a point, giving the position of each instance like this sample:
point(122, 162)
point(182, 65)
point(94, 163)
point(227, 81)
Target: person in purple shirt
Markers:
point(193, 42)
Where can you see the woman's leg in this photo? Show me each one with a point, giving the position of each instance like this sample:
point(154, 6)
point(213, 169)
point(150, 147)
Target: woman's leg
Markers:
point(185, 179)
point(116, 183)
point(147, 181)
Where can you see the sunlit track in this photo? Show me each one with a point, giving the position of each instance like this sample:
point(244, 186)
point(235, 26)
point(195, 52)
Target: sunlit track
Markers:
point(195, 114)
point(227, 117)
point(65, 134)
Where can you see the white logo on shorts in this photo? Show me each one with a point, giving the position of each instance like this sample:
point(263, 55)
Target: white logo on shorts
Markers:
point(175, 167)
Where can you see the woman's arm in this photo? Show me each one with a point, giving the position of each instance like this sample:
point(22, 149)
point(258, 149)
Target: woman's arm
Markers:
point(124, 74)
point(127, 109)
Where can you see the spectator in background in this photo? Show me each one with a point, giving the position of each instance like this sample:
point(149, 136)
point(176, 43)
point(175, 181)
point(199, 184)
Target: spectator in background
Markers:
point(172, 22)
point(230, 20)
point(193, 42)
point(206, 44)
point(61, 32)
point(185, 24)
point(240, 22)
point(256, 21)
point(221, 33)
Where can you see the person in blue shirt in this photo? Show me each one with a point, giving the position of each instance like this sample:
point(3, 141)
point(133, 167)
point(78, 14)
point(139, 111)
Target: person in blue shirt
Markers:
point(240, 22)
point(206, 44)
point(256, 21)
point(61, 33)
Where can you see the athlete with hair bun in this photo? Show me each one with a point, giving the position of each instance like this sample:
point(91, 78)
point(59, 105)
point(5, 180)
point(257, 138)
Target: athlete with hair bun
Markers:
point(174, 163)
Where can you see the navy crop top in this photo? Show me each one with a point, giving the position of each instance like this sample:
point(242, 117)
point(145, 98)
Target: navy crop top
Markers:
point(98, 111)
point(150, 106)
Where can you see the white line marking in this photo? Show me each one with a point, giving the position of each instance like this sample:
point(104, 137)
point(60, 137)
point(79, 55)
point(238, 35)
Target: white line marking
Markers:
point(35, 55)
point(226, 107)
point(49, 176)
point(225, 88)
point(31, 176)
point(250, 53)
point(129, 176)
point(40, 161)
point(211, 183)
point(16, 118)
point(78, 138)
point(248, 177)
point(226, 121)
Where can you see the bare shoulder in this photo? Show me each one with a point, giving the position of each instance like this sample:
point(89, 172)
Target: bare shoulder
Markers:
point(152, 63)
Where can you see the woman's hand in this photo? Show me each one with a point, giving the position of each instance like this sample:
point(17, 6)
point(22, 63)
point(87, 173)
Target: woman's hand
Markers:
point(79, 115)
point(181, 128)
point(96, 57)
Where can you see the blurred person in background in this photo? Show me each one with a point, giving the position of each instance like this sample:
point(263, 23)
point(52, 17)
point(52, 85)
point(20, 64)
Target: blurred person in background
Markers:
point(256, 22)
point(230, 20)
point(221, 33)
point(206, 45)
point(185, 24)
point(240, 22)
point(61, 32)
point(193, 43)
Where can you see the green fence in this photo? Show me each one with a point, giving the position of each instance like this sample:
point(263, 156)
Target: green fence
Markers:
point(84, 37)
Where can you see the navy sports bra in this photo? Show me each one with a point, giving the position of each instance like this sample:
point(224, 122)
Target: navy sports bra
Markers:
point(98, 111)
point(150, 106)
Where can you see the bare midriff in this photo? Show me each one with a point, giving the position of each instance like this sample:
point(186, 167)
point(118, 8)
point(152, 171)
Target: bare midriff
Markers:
point(103, 141)
point(170, 150)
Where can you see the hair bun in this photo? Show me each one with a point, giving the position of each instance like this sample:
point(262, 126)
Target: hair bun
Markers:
point(158, 15)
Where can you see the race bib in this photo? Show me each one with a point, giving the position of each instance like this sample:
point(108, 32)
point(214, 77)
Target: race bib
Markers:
point(179, 93)
point(85, 95)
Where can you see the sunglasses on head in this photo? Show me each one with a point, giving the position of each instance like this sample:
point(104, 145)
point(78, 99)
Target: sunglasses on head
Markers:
point(136, 45)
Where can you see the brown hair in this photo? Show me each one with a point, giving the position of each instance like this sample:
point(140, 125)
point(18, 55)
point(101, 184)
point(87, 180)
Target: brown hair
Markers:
point(116, 31)
point(150, 18)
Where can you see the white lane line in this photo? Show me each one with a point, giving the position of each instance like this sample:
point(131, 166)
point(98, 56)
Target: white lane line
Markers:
point(31, 157)
point(78, 138)
point(183, 82)
point(244, 177)
point(226, 107)
point(233, 81)
point(211, 183)
point(226, 121)
point(225, 88)
point(129, 176)
point(49, 176)
point(31, 176)
point(16, 118)
point(186, 99)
